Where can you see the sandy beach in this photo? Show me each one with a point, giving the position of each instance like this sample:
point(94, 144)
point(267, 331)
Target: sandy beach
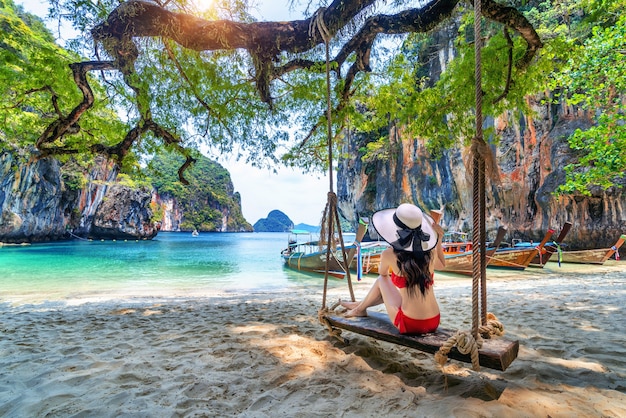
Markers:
point(266, 355)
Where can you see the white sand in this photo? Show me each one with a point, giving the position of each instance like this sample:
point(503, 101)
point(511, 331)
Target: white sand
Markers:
point(262, 355)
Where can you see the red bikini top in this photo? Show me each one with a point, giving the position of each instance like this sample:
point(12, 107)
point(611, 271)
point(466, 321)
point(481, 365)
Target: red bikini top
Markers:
point(400, 281)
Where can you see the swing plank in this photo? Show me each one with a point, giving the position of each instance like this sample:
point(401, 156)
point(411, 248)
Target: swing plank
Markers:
point(495, 354)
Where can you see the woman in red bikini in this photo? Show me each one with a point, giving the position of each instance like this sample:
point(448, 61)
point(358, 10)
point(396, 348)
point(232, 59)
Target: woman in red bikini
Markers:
point(405, 283)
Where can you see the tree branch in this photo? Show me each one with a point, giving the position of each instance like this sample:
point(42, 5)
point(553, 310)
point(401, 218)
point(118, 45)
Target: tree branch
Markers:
point(69, 123)
point(507, 87)
point(264, 41)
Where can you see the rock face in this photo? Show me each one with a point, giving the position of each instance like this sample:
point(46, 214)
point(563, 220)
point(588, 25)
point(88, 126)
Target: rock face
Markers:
point(172, 212)
point(38, 204)
point(124, 213)
point(34, 204)
point(208, 203)
point(531, 156)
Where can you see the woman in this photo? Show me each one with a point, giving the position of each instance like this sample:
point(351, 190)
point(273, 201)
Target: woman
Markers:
point(405, 283)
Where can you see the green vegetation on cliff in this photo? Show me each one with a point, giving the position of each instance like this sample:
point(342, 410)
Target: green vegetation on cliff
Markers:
point(208, 198)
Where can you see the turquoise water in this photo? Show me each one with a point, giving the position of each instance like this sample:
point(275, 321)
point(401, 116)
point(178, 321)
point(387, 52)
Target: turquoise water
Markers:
point(171, 264)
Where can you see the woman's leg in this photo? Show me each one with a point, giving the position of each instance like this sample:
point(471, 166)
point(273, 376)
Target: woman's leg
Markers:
point(372, 298)
point(391, 297)
point(379, 292)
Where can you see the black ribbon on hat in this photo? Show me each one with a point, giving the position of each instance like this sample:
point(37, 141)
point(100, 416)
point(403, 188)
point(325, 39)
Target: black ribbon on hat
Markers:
point(406, 235)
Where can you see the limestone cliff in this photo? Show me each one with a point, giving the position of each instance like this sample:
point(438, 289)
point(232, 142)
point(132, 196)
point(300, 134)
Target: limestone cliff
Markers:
point(39, 201)
point(34, 204)
point(532, 153)
point(208, 203)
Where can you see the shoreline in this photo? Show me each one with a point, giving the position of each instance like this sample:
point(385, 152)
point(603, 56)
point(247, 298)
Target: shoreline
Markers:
point(263, 354)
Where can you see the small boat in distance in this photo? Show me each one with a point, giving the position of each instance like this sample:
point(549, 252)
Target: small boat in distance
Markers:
point(593, 256)
point(195, 233)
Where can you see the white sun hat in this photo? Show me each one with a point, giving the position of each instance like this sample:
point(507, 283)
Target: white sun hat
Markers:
point(405, 228)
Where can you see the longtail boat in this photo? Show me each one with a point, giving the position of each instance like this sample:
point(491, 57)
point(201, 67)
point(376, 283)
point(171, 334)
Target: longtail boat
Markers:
point(594, 256)
point(462, 262)
point(550, 248)
point(306, 254)
point(456, 243)
point(517, 258)
point(369, 254)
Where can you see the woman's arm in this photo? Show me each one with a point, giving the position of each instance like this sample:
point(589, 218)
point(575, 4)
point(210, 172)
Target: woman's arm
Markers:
point(386, 258)
point(440, 259)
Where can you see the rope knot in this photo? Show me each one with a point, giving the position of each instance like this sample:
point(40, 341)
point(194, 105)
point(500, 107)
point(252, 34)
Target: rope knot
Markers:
point(465, 343)
point(317, 22)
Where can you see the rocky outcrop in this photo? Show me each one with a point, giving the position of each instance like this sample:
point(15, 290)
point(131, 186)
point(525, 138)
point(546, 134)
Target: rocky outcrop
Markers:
point(531, 153)
point(172, 212)
point(124, 214)
point(40, 202)
point(276, 221)
point(34, 203)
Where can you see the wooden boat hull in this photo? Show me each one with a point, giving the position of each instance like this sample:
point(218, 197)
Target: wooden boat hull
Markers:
point(463, 263)
point(314, 262)
point(512, 259)
point(594, 256)
point(598, 256)
point(460, 263)
point(517, 258)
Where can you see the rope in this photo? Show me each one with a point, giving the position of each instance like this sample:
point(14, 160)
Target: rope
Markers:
point(76, 236)
point(330, 219)
point(465, 343)
point(317, 22)
point(491, 327)
point(478, 147)
point(321, 317)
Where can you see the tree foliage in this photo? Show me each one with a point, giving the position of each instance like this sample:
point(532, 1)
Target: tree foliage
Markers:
point(218, 79)
point(185, 78)
point(36, 87)
point(594, 78)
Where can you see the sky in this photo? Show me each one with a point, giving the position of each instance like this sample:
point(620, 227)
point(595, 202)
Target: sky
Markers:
point(301, 196)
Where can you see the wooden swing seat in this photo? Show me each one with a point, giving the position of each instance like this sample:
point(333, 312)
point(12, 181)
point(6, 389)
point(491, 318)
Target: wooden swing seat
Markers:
point(495, 354)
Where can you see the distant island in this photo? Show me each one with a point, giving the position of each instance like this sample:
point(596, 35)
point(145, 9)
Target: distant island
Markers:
point(277, 221)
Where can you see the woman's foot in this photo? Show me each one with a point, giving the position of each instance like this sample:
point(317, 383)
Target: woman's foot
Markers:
point(348, 304)
point(352, 313)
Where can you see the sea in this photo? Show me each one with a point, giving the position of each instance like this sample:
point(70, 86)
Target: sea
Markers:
point(171, 264)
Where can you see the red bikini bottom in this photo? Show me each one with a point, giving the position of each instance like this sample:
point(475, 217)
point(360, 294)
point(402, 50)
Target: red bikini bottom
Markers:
point(408, 325)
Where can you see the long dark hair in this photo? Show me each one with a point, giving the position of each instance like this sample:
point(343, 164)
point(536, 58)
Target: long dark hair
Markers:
point(415, 268)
